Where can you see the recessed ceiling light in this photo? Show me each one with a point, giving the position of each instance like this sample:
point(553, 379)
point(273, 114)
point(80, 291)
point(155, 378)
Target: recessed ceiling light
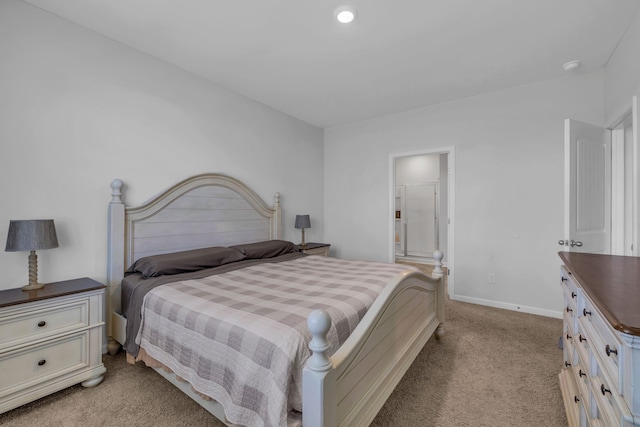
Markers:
point(572, 65)
point(345, 14)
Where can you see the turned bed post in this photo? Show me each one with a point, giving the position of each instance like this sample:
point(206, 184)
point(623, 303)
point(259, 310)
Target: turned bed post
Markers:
point(115, 260)
point(318, 376)
point(438, 272)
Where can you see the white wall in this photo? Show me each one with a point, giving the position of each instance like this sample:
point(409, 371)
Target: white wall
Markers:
point(78, 110)
point(508, 194)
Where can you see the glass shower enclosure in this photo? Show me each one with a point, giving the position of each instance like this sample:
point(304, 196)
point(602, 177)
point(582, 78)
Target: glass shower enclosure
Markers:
point(416, 226)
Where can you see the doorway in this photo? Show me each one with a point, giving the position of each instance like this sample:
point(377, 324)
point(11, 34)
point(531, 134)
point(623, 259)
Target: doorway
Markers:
point(422, 207)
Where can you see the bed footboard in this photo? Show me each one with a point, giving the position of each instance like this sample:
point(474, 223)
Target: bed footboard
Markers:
point(349, 388)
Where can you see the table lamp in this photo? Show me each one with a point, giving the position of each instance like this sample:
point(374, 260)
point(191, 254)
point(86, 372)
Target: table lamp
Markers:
point(303, 221)
point(31, 235)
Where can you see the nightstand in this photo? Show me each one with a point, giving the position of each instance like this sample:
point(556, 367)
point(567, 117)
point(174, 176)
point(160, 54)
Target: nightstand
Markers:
point(316, 249)
point(50, 339)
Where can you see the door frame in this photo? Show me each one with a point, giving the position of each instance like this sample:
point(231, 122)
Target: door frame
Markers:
point(450, 151)
point(615, 133)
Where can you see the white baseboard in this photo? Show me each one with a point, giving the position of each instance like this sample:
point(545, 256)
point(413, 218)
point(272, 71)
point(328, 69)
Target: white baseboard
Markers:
point(509, 306)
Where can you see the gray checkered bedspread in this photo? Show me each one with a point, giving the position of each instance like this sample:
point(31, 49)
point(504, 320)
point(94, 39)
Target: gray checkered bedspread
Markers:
point(241, 337)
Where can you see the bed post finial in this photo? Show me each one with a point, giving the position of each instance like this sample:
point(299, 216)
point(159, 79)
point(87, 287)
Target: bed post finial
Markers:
point(437, 256)
point(276, 222)
point(319, 379)
point(319, 324)
point(116, 191)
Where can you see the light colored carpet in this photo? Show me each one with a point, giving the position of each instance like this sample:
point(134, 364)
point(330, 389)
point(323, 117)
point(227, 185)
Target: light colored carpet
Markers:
point(493, 368)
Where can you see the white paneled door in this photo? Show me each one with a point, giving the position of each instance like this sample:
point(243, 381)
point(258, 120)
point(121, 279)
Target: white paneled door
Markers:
point(587, 210)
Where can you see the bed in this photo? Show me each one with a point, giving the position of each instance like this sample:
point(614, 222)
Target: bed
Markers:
point(345, 373)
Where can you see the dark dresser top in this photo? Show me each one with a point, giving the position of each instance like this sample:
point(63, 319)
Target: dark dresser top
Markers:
point(613, 283)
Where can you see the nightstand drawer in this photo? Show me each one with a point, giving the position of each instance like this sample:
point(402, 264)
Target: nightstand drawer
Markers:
point(316, 249)
point(32, 365)
point(26, 326)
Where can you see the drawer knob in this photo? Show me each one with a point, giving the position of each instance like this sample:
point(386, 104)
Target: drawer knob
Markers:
point(569, 310)
point(564, 279)
point(581, 338)
point(567, 364)
point(585, 312)
point(610, 350)
point(575, 399)
point(604, 390)
point(573, 295)
point(582, 374)
point(42, 324)
point(569, 337)
point(42, 362)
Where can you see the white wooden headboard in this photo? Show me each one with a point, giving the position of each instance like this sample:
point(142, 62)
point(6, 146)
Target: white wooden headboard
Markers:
point(201, 211)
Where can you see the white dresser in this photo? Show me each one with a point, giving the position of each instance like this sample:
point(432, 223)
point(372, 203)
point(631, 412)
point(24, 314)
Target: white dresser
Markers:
point(50, 339)
point(600, 378)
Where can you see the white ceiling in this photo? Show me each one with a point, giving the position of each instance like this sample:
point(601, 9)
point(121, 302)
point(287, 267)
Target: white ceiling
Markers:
point(398, 54)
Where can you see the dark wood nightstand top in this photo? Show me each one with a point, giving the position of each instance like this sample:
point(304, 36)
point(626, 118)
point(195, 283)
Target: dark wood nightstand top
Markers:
point(17, 296)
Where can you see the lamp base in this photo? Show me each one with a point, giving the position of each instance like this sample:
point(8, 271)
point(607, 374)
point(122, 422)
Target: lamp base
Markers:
point(33, 286)
point(33, 274)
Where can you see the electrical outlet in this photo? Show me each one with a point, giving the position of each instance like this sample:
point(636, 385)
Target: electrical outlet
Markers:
point(491, 278)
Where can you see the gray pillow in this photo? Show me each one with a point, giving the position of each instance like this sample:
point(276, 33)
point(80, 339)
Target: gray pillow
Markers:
point(266, 249)
point(183, 262)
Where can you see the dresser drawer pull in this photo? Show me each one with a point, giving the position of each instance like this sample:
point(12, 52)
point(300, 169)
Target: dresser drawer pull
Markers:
point(585, 312)
point(567, 364)
point(582, 374)
point(604, 390)
point(581, 338)
point(42, 324)
point(569, 310)
point(575, 399)
point(564, 279)
point(610, 350)
point(569, 337)
point(42, 362)
point(573, 295)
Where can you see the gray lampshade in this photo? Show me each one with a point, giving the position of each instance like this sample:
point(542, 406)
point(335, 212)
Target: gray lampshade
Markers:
point(303, 221)
point(31, 235)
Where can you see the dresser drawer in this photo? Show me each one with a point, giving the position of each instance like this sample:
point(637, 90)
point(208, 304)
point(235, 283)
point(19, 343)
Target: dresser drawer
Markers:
point(32, 365)
point(28, 325)
point(569, 288)
point(571, 398)
point(603, 342)
point(582, 343)
point(609, 412)
point(611, 407)
point(570, 356)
